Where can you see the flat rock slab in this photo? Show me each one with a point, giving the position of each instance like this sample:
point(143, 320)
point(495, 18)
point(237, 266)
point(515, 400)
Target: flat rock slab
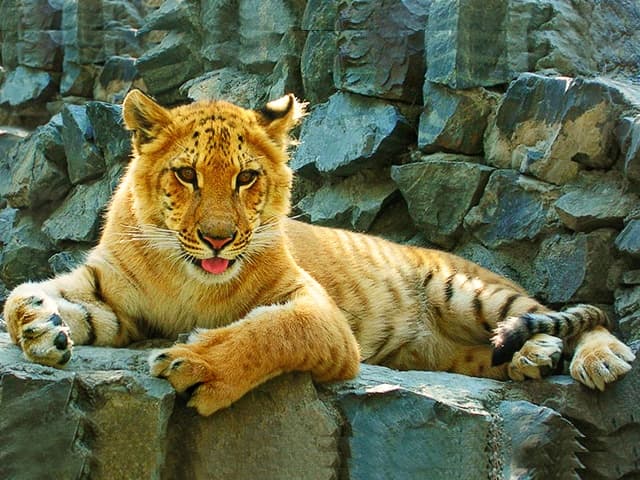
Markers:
point(104, 417)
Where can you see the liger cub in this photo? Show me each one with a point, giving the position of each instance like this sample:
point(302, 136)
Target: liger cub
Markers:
point(197, 239)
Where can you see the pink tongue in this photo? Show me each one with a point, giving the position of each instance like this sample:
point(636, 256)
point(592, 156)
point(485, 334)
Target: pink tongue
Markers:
point(215, 265)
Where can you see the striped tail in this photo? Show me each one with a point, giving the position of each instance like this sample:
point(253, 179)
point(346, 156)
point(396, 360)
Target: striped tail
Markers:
point(511, 334)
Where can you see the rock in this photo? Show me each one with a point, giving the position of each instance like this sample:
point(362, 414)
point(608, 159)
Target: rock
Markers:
point(7, 221)
point(628, 132)
point(78, 218)
point(352, 203)
point(627, 301)
point(316, 65)
point(262, 28)
point(41, 49)
point(421, 424)
point(479, 43)
point(365, 133)
point(439, 192)
point(77, 79)
point(9, 136)
point(629, 327)
point(169, 64)
point(572, 268)
point(117, 77)
point(25, 256)
point(629, 239)
point(111, 137)
point(34, 179)
point(48, 138)
point(88, 410)
point(543, 443)
point(24, 86)
point(320, 50)
point(381, 48)
point(285, 77)
point(291, 431)
point(512, 208)
point(454, 120)
point(230, 84)
point(600, 201)
point(66, 261)
point(84, 161)
point(632, 277)
point(171, 15)
point(553, 127)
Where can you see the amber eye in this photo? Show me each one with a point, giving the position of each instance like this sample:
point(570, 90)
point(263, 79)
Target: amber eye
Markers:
point(246, 177)
point(187, 175)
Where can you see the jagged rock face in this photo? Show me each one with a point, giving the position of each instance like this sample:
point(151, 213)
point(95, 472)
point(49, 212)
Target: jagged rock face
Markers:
point(106, 418)
point(505, 131)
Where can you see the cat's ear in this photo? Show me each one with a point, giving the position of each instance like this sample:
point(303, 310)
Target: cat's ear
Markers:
point(144, 116)
point(279, 116)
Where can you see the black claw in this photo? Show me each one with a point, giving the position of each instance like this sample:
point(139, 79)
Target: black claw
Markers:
point(61, 342)
point(65, 358)
point(191, 390)
point(56, 320)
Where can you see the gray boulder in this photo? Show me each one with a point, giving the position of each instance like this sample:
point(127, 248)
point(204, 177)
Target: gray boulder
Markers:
point(34, 180)
point(439, 192)
point(628, 132)
point(352, 203)
point(573, 268)
point(629, 239)
point(349, 133)
point(419, 424)
point(25, 255)
point(84, 160)
point(552, 128)
point(454, 120)
point(513, 208)
point(25, 86)
point(381, 48)
point(598, 201)
point(484, 43)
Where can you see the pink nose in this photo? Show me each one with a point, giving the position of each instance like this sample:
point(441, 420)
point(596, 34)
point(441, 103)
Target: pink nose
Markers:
point(218, 243)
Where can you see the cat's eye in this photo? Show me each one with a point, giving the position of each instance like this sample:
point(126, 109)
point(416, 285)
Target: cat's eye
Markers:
point(187, 175)
point(246, 177)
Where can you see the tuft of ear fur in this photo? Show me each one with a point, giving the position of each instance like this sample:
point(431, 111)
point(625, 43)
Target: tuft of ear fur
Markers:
point(279, 116)
point(144, 116)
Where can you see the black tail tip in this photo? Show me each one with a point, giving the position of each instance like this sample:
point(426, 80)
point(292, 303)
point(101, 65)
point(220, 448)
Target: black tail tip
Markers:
point(504, 347)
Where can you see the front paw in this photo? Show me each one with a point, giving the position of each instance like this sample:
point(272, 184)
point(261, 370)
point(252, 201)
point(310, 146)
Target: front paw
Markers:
point(601, 360)
point(537, 358)
point(191, 374)
point(47, 342)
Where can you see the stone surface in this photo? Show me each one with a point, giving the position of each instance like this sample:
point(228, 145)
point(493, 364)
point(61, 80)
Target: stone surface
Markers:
point(439, 192)
point(629, 239)
point(34, 180)
point(111, 138)
point(454, 121)
point(227, 83)
point(483, 43)
point(419, 424)
point(84, 161)
point(24, 86)
point(66, 261)
point(553, 127)
point(79, 216)
point(512, 208)
point(569, 267)
point(380, 48)
point(317, 64)
point(364, 133)
point(352, 203)
point(599, 201)
point(169, 64)
point(25, 255)
point(628, 132)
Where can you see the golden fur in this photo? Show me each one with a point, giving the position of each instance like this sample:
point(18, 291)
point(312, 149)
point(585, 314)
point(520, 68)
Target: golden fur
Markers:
point(196, 239)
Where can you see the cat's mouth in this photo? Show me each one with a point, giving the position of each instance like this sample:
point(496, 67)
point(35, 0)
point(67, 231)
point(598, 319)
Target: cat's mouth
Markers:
point(215, 265)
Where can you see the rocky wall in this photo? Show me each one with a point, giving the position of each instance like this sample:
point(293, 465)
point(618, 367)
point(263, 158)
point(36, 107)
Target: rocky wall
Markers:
point(506, 131)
